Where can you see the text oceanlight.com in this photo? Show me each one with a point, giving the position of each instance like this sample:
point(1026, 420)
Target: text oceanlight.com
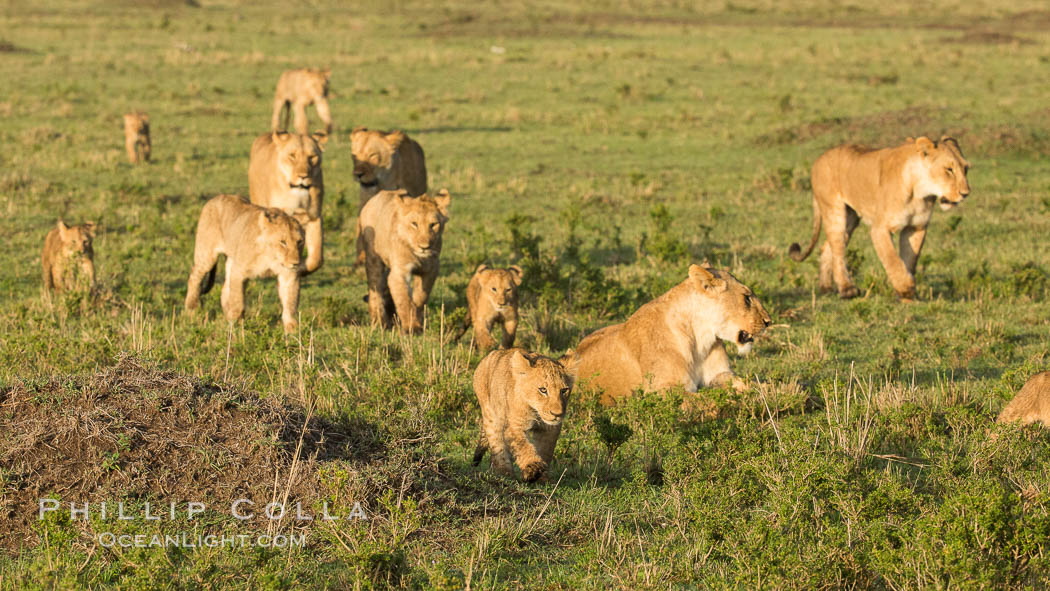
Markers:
point(185, 540)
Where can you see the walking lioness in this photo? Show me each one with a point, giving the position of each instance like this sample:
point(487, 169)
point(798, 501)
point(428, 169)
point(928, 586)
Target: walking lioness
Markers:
point(136, 137)
point(893, 190)
point(67, 248)
point(296, 90)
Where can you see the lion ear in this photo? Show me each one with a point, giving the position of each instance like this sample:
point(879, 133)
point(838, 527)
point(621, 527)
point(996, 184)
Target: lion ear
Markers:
point(925, 145)
point(327, 73)
point(394, 138)
point(516, 274)
point(62, 228)
point(705, 279)
point(519, 362)
point(480, 268)
point(272, 215)
point(443, 200)
point(947, 139)
point(571, 362)
point(277, 137)
point(321, 138)
point(89, 227)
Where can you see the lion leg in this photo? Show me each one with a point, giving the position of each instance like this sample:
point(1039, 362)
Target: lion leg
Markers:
point(232, 294)
point(146, 149)
point(510, 329)
point(324, 113)
point(499, 456)
point(378, 294)
point(88, 267)
point(288, 291)
point(421, 287)
point(483, 334)
point(715, 371)
point(911, 240)
point(400, 293)
point(901, 279)
point(526, 457)
point(130, 146)
point(314, 246)
point(49, 279)
point(275, 121)
point(301, 124)
point(204, 260)
point(835, 227)
point(545, 442)
point(827, 262)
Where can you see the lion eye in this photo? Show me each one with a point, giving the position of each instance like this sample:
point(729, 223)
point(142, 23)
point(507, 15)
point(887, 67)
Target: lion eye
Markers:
point(434, 227)
point(949, 171)
point(284, 243)
point(543, 391)
point(565, 391)
point(493, 288)
point(747, 301)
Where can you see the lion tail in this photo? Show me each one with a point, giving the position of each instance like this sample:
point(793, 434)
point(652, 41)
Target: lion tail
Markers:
point(209, 279)
point(795, 251)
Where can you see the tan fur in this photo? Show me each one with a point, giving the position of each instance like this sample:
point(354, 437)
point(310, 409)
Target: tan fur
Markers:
point(257, 242)
point(285, 172)
point(1032, 403)
point(893, 190)
point(492, 296)
point(674, 340)
point(65, 247)
point(296, 90)
point(400, 236)
point(136, 137)
point(387, 161)
point(523, 398)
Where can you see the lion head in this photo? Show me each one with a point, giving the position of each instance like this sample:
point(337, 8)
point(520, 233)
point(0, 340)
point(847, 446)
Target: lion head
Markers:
point(738, 314)
point(421, 220)
point(136, 123)
point(500, 286)
point(299, 160)
point(542, 383)
point(76, 240)
point(942, 173)
point(374, 154)
point(281, 236)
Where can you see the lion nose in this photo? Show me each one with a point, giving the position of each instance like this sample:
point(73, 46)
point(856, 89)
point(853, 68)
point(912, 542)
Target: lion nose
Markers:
point(767, 322)
point(964, 193)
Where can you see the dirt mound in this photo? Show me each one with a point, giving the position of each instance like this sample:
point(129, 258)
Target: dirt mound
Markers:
point(135, 432)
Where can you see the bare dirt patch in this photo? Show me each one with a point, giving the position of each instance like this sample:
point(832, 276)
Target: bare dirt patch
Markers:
point(989, 38)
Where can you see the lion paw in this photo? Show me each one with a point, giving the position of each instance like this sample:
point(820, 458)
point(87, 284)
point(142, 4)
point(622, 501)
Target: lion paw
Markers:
point(533, 471)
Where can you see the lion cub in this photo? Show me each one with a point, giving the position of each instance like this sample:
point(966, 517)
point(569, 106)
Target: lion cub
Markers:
point(62, 247)
point(492, 295)
point(257, 242)
point(400, 236)
point(1032, 403)
point(136, 136)
point(523, 397)
point(296, 90)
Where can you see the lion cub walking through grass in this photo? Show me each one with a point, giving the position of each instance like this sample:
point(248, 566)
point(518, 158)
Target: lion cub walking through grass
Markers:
point(492, 296)
point(136, 137)
point(257, 242)
point(523, 398)
point(64, 247)
point(1032, 403)
point(296, 90)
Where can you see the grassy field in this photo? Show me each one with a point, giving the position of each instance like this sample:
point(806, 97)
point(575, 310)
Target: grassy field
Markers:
point(604, 147)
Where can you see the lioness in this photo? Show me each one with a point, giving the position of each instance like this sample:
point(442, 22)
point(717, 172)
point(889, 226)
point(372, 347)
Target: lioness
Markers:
point(257, 242)
point(285, 172)
point(387, 161)
point(492, 295)
point(136, 136)
point(400, 236)
point(1032, 403)
point(296, 90)
point(63, 246)
point(674, 339)
point(893, 190)
point(523, 398)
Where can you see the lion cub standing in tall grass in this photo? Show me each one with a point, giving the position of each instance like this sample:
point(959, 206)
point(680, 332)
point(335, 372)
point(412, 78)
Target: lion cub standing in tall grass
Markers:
point(1032, 403)
point(63, 247)
point(296, 90)
point(136, 137)
point(257, 242)
point(523, 397)
point(492, 296)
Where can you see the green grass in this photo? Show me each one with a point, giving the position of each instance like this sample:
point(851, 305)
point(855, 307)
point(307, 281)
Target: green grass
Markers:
point(625, 139)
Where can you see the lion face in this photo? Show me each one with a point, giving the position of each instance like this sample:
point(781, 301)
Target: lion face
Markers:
point(374, 154)
point(76, 240)
point(544, 384)
point(299, 160)
point(421, 220)
point(500, 286)
point(943, 172)
point(282, 237)
point(740, 315)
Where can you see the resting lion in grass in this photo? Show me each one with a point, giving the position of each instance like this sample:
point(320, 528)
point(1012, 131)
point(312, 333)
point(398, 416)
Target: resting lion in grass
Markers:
point(257, 242)
point(492, 296)
point(136, 137)
point(523, 398)
point(400, 236)
point(893, 190)
point(1032, 403)
point(66, 247)
point(296, 90)
point(387, 161)
point(285, 172)
point(674, 340)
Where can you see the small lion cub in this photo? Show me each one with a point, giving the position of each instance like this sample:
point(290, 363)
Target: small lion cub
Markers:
point(136, 136)
point(1032, 403)
point(492, 296)
point(62, 247)
point(523, 397)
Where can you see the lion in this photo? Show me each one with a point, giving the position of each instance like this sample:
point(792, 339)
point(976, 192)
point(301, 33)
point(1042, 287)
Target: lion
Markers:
point(296, 90)
point(674, 340)
point(492, 296)
point(387, 161)
point(285, 172)
point(523, 398)
point(64, 247)
point(400, 236)
point(1032, 403)
point(257, 242)
point(136, 136)
point(893, 190)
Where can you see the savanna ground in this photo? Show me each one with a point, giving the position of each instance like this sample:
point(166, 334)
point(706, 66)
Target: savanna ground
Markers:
point(603, 147)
